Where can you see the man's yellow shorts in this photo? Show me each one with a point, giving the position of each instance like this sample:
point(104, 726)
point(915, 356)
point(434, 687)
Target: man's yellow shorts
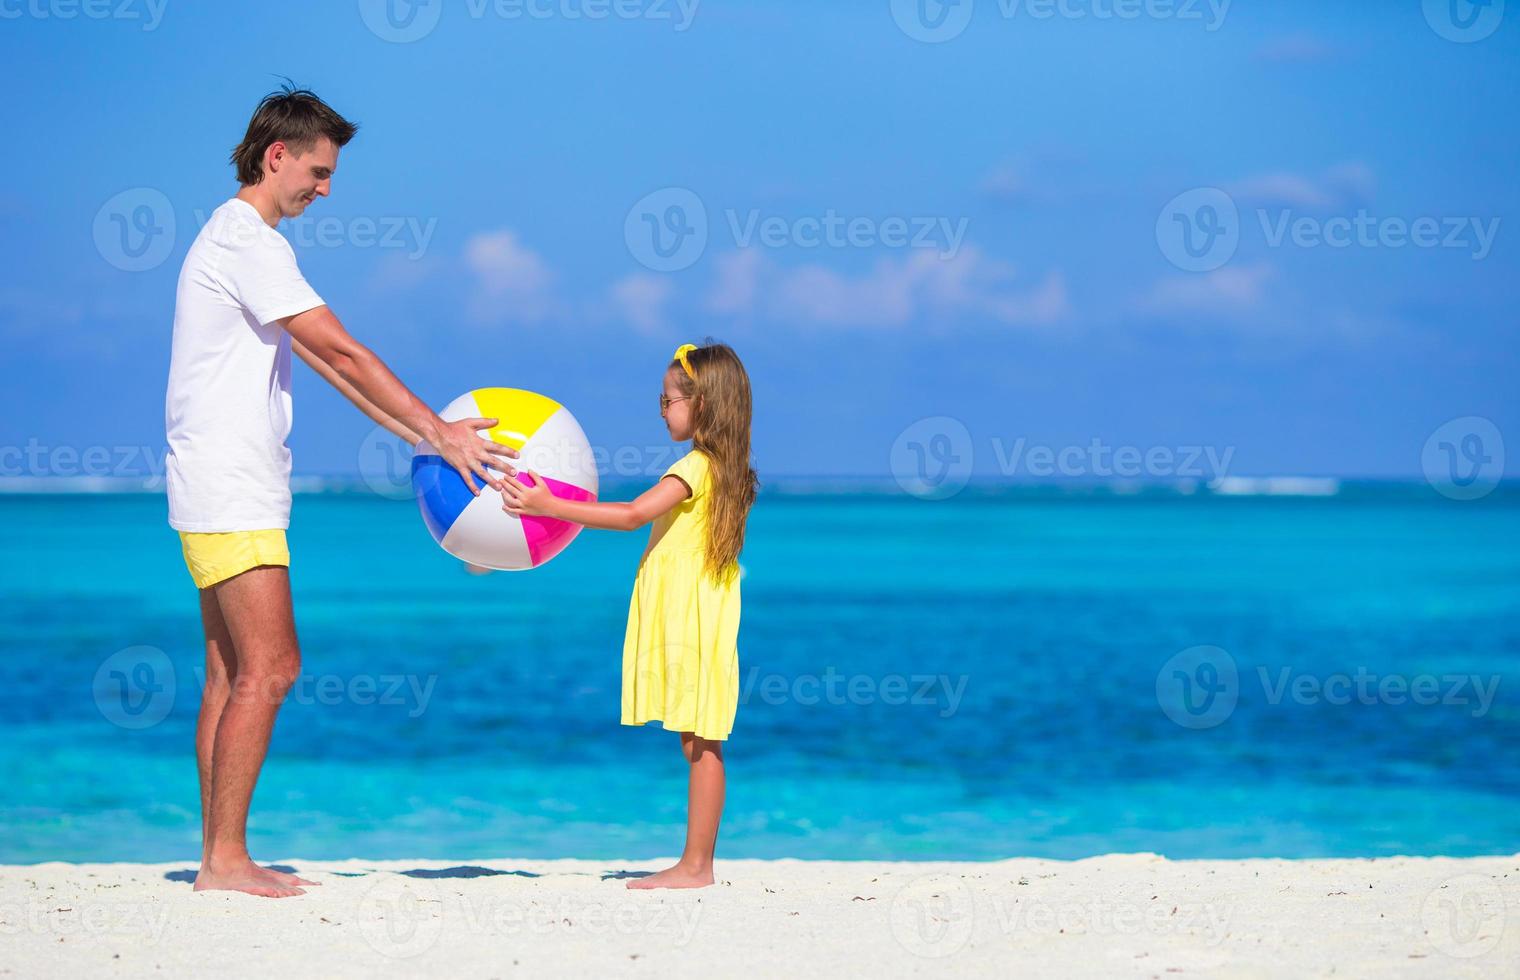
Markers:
point(214, 558)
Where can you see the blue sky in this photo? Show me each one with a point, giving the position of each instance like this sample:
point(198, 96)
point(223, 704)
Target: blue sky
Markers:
point(480, 228)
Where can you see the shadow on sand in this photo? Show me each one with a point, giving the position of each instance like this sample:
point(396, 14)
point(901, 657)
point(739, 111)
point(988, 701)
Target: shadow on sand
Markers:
point(462, 871)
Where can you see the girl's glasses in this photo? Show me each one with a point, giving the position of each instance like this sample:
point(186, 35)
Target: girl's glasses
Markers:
point(666, 401)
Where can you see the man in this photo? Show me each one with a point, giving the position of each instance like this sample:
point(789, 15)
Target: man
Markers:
point(241, 307)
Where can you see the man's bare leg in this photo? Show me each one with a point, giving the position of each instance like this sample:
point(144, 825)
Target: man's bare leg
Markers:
point(256, 612)
point(221, 664)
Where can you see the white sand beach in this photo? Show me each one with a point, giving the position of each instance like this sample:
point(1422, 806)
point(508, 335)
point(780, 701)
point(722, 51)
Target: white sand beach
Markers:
point(1128, 915)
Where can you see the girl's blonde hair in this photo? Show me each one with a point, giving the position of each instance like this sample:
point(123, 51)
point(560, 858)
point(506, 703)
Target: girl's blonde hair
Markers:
point(718, 389)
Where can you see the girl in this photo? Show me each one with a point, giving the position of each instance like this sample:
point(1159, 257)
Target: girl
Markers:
point(680, 652)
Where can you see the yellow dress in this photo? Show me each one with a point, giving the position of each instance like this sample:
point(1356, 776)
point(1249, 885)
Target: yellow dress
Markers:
point(681, 651)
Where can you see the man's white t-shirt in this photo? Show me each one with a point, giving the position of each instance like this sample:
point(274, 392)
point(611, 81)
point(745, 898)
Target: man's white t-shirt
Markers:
point(228, 409)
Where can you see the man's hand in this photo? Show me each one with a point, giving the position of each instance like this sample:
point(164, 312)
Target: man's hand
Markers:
point(523, 500)
point(468, 453)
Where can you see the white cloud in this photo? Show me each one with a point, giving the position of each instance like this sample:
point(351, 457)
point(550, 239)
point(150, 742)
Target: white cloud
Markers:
point(1047, 175)
point(512, 282)
point(641, 299)
point(893, 292)
point(1343, 186)
point(1005, 182)
point(1228, 291)
point(1297, 49)
point(738, 282)
point(509, 282)
point(817, 294)
point(1046, 303)
point(399, 273)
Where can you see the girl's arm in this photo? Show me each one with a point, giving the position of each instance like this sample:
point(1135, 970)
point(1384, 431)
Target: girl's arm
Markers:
point(521, 499)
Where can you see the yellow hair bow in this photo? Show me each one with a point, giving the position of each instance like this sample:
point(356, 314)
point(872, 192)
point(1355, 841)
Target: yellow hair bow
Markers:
point(680, 355)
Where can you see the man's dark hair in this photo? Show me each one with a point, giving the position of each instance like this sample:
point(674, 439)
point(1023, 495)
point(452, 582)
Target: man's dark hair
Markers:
point(293, 116)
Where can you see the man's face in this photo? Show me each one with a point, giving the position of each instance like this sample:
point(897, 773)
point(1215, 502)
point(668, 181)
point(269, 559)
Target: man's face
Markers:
point(300, 178)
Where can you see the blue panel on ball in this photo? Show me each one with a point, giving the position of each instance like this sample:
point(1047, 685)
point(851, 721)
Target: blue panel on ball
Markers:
point(441, 493)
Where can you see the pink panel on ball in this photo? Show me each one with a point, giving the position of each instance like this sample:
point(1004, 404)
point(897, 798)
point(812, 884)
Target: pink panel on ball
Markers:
point(548, 536)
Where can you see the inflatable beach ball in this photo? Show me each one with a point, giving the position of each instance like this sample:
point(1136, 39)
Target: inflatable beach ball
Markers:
point(476, 529)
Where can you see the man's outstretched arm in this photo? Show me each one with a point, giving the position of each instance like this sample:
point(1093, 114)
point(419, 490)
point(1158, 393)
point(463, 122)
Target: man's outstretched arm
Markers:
point(352, 394)
point(322, 339)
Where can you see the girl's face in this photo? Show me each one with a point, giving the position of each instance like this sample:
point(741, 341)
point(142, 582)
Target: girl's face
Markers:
point(675, 408)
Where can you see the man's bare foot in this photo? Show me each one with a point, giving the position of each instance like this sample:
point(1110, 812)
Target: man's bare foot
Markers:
point(248, 878)
point(676, 877)
point(284, 878)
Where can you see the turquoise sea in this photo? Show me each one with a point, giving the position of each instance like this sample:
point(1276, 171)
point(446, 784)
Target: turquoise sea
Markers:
point(1010, 672)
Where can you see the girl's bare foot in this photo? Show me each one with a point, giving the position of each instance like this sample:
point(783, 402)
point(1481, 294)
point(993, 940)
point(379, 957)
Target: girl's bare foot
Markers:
point(679, 876)
point(248, 878)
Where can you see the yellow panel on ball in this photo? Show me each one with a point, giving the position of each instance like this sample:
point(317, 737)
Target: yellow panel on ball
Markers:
point(518, 413)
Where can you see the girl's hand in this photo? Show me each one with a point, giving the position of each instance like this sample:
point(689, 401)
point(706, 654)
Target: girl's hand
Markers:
point(521, 500)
